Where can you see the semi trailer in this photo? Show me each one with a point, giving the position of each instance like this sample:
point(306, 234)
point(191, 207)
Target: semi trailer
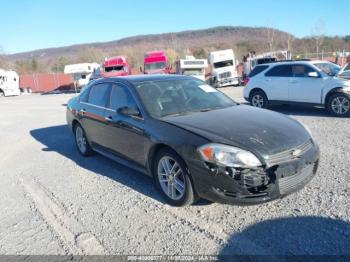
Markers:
point(116, 66)
point(223, 68)
point(9, 83)
point(156, 62)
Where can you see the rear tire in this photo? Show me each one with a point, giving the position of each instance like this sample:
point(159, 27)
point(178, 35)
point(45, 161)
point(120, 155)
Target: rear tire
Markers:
point(258, 99)
point(338, 104)
point(172, 178)
point(81, 141)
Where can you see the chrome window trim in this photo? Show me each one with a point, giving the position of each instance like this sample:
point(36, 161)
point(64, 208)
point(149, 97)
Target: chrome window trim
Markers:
point(100, 107)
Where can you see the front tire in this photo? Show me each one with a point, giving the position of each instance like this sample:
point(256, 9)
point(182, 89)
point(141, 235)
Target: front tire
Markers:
point(172, 178)
point(81, 141)
point(258, 99)
point(339, 105)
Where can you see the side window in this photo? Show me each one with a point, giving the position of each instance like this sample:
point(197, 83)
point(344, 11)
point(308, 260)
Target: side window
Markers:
point(280, 71)
point(99, 94)
point(121, 97)
point(302, 70)
point(84, 94)
point(257, 70)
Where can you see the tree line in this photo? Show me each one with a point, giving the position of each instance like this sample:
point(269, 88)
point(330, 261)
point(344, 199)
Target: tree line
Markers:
point(176, 49)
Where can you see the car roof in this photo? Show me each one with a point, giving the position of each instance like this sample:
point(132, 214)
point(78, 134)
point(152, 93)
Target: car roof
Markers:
point(145, 78)
point(288, 63)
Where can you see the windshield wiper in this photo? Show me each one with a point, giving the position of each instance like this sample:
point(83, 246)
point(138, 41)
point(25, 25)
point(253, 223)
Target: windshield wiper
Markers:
point(176, 114)
point(210, 108)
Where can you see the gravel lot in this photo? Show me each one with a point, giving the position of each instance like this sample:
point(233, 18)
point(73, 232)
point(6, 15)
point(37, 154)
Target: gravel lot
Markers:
point(53, 201)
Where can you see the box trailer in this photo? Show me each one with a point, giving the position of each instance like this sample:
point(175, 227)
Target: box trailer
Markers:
point(192, 67)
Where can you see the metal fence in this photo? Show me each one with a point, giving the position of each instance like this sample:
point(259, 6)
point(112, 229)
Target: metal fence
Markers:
point(341, 57)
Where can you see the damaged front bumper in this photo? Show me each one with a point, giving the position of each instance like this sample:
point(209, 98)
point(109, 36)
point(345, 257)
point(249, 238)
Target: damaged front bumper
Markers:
point(247, 186)
point(227, 82)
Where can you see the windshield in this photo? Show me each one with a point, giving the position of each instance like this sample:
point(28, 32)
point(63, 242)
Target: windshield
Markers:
point(155, 66)
point(328, 68)
point(195, 71)
point(176, 97)
point(223, 63)
point(113, 68)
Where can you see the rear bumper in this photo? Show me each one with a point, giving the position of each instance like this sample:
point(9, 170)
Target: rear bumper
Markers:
point(245, 187)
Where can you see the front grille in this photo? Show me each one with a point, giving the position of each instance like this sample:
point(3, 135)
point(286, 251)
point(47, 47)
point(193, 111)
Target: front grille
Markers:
point(288, 155)
point(225, 75)
point(290, 183)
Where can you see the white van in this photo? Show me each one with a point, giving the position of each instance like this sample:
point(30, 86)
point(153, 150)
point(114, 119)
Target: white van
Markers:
point(9, 83)
point(223, 68)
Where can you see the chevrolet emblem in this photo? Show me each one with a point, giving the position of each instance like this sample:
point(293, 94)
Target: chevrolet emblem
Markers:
point(296, 153)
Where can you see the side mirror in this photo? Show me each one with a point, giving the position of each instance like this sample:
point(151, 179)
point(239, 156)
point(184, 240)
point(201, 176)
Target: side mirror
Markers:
point(128, 111)
point(313, 74)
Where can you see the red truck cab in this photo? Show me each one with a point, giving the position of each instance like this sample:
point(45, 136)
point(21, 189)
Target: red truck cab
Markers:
point(116, 66)
point(156, 62)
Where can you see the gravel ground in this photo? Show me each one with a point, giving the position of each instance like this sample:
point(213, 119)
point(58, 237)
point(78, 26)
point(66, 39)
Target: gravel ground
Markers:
point(53, 201)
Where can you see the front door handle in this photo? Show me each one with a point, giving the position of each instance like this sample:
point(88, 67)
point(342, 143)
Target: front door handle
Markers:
point(109, 119)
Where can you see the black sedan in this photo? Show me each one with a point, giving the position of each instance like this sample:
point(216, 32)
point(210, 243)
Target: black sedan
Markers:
point(192, 139)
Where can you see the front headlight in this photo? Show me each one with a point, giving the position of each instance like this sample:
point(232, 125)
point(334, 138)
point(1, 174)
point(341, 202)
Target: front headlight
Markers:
point(230, 156)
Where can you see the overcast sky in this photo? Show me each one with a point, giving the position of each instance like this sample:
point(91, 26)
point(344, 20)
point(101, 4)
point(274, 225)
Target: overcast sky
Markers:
point(34, 24)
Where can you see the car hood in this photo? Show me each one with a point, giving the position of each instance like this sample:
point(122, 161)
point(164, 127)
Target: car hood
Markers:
point(260, 131)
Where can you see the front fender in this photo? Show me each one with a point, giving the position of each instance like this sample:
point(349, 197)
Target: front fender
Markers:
point(326, 93)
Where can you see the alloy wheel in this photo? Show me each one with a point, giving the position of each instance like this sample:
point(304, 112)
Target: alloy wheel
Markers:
point(171, 178)
point(80, 139)
point(340, 105)
point(257, 101)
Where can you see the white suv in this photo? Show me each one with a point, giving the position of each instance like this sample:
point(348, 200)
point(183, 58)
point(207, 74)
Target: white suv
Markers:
point(305, 82)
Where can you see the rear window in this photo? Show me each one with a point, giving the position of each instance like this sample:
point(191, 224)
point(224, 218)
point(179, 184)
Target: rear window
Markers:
point(280, 71)
point(257, 70)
